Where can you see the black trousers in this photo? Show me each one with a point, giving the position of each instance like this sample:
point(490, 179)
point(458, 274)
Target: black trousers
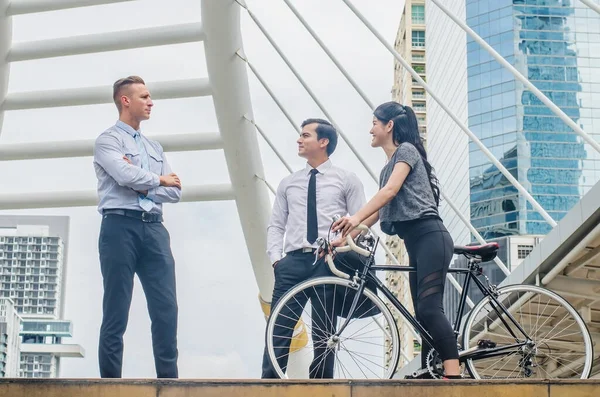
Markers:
point(289, 271)
point(127, 247)
point(430, 250)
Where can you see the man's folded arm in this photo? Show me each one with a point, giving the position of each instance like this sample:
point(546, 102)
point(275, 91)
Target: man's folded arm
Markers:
point(108, 154)
point(163, 194)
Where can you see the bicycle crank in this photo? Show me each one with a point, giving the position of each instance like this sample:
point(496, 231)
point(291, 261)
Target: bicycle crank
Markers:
point(434, 365)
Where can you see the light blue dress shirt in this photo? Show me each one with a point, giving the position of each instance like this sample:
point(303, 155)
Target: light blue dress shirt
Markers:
point(118, 181)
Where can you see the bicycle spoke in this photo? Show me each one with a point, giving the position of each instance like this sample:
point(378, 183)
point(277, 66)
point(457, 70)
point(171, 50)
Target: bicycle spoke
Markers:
point(358, 365)
point(559, 345)
point(358, 352)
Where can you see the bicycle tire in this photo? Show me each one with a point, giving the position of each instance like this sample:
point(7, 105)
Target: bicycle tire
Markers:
point(544, 347)
point(394, 352)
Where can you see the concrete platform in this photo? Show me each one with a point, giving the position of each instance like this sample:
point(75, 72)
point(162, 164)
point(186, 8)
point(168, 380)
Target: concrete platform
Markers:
point(257, 388)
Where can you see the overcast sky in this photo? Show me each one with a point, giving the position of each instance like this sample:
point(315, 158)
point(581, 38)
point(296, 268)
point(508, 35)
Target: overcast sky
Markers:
point(221, 325)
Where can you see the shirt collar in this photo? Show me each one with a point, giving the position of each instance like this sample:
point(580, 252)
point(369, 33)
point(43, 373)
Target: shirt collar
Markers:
point(322, 168)
point(127, 128)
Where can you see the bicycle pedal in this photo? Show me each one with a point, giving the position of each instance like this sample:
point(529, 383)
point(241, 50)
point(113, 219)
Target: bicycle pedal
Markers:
point(420, 374)
point(486, 344)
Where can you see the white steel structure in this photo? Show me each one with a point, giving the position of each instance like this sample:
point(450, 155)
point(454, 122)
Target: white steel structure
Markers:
point(227, 84)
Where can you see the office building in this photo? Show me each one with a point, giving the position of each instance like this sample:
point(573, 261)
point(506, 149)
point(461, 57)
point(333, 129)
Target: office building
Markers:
point(33, 259)
point(556, 45)
point(10, 341)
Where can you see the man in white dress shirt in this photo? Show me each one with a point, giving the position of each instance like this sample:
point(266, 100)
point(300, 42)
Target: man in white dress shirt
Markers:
point(303, 210)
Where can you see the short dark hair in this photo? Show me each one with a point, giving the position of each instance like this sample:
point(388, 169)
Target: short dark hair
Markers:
point(121, 84)
point(325, 130)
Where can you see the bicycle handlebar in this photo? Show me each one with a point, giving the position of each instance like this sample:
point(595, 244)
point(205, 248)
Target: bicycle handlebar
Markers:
point(351, 246)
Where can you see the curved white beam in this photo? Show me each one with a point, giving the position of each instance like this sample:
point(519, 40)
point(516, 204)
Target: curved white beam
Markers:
point(85, 147)
point(86, 198)
point(5, 43)
point(231, 96)
point(19, 7)
point(110, 41)
point(99, 95)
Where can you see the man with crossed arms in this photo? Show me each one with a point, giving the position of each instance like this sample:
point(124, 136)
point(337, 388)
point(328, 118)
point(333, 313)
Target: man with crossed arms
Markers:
point(134, 180)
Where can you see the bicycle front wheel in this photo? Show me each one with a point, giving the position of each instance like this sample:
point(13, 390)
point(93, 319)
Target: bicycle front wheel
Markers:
point(303, 336)
point(558, 341)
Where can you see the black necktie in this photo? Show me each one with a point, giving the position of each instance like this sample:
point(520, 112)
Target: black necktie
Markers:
point(312, 228)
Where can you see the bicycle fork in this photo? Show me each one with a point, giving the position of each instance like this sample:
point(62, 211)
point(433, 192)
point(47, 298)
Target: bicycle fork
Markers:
point(335, 338)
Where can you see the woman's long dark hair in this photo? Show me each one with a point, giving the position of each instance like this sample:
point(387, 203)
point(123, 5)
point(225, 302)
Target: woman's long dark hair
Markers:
point(406, 129)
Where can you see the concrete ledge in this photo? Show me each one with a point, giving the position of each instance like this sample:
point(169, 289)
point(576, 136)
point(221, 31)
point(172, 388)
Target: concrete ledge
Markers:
point(279, 388)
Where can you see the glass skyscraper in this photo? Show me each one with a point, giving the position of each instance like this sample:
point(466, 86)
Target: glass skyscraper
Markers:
point(556, 44)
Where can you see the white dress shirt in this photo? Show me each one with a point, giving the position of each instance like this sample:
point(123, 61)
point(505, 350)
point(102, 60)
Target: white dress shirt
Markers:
point(339, 192)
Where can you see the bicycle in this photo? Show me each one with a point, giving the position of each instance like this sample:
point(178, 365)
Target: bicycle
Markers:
point(516, 331)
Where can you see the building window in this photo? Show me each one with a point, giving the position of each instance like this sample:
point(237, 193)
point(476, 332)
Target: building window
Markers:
point(419, 68)
point(418, 14)
point(523, 251)
point(416, 346)
point(419, 107)
point(418, 38)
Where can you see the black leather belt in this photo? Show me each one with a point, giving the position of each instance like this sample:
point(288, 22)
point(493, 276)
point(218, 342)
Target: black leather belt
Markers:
point(306, 250)
point(141, 215)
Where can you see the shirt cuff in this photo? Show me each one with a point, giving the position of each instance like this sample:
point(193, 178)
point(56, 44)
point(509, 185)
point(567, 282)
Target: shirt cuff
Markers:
point(155, 180)
point(274, 258)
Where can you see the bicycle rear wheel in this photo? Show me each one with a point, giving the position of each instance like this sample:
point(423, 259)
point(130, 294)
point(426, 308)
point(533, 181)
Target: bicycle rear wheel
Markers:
point(560, 343)
point(308, 318)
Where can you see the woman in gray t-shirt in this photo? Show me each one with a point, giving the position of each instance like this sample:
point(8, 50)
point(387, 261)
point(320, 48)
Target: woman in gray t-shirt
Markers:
point(407, 205)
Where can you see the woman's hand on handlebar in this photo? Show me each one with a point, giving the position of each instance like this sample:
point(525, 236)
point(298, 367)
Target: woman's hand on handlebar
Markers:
point(339, 242)
point(345, 225)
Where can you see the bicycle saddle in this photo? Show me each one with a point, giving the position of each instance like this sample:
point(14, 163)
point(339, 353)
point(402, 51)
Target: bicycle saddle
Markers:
point(486, 252)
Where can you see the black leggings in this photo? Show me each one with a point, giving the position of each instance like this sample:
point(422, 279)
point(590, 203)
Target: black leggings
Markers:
point(430, 249)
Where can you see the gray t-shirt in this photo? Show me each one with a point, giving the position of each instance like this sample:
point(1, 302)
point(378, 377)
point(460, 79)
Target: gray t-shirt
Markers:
point(414, 199)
